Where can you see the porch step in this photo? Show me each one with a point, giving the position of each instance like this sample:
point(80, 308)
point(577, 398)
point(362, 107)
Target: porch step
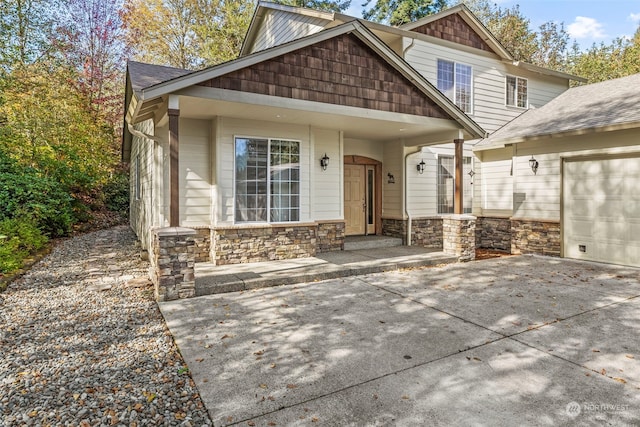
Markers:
point(355, 243)
point(212, 279)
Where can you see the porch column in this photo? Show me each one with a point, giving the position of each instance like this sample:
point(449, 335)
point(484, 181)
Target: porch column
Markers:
point(458, 207)
point(174, 143)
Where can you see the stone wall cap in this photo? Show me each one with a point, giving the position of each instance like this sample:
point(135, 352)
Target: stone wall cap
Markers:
point(175, 231)
point(264, 225)
point(460, 217)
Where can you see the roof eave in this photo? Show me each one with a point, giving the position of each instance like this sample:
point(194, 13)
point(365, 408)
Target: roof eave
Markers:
point(547, 71)
point(501, 143)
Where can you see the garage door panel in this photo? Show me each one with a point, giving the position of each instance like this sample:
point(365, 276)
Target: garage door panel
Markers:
point(611, 231)
point(601, 212)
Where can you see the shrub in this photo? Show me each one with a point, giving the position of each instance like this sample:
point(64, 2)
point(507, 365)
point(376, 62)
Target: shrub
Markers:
point(116, 193)
point(18, 239)
point(24, 193)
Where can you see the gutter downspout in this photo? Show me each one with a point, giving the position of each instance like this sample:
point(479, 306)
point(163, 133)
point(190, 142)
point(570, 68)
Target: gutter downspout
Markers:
point(136, 132)
point(406, 49)
point(406, 194)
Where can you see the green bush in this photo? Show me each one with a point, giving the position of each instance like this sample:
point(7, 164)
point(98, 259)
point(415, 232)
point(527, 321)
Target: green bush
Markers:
point(24, 193)
point(116, 193)
point(19, 238)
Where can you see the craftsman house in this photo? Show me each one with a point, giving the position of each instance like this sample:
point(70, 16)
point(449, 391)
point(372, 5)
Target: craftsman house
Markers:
point(327, 126)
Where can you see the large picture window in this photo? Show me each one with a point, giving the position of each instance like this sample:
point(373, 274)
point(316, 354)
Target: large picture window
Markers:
point(267, 180)
point(446, 184)
point(455, 82)
point(517, 92)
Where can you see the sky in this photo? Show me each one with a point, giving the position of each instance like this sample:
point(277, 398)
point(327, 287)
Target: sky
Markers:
point(587, 21)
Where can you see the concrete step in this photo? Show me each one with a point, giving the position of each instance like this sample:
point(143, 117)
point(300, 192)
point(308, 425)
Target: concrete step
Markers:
point(212, 279)
point(355, 243)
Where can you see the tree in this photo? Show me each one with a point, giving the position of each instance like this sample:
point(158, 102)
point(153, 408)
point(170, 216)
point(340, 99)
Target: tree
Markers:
point(187, 34)
point(91, 42)
point(398, 12)
point(604, 62)
point(24, 31)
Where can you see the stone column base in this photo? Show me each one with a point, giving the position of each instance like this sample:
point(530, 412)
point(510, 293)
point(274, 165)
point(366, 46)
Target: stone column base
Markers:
point(172, 261)
point(459, 236)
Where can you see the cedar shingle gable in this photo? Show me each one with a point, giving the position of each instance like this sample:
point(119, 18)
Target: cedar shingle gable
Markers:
point(341, 71)
point(454, 29)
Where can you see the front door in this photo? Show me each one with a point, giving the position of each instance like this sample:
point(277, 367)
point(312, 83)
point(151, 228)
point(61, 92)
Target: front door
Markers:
point(354, 199)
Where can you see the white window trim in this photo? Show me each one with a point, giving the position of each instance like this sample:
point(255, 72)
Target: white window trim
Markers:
point(471, 164)
point(269, 139)
point(471, 103)
point(506, 103)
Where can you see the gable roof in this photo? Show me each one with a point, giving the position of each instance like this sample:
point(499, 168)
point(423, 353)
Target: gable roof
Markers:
point(485, 39)
point(355, 28)
point(606, 106)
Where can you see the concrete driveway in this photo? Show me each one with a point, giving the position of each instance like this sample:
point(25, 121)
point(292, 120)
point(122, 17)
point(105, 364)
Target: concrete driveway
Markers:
point(511, 341)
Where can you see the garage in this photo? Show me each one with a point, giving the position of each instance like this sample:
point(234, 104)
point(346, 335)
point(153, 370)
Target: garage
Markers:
point(601, 209)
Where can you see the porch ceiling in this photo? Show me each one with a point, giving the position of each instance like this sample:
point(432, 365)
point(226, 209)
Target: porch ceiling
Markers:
point(354, 122)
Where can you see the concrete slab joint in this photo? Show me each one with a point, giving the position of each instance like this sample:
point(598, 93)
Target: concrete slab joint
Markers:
point(459, 236)
point(172, 263)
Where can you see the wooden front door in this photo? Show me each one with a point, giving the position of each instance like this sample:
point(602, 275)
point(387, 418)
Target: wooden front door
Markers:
point(354, 199)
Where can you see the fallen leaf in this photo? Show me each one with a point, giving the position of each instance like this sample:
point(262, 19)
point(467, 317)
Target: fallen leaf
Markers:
point(225, 336)
point(620, 380)
point(629, 356)
point(259, 353)
point(273, 365)
point(263, 386)
point(405, 397)
point(251, 423)
point(314, 420)
point(229, 419)
point(595, 351)
point(271, 423)
point(292, 386)
point(207, 346)
point(477, 359)
point(199, 360)
point(271, 398)
point(603, 372)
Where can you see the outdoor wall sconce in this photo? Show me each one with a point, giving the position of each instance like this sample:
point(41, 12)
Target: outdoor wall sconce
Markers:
point(533, 164)
point(390, 178)
point(324, 162)
point(420, 166)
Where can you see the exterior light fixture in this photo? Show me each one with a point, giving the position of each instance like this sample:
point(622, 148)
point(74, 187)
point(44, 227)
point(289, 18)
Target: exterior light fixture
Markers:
point(324, 162)
point(533, 164)
point(390, 178)
point(420, 166)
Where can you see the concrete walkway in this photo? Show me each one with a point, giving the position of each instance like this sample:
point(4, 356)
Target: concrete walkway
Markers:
point(216, 279)
point(511, 341)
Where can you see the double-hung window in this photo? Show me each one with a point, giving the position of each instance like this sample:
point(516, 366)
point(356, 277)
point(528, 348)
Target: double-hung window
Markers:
point(446, 184)
point(456, 82)
point(516, 91)
point(267, 180)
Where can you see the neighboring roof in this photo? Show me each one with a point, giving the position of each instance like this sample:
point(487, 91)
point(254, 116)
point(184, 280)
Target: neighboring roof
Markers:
point(146, 75)
point(609, 105)
point(356, 28)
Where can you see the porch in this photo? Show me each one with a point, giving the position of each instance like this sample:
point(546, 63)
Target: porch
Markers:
point(386, 256)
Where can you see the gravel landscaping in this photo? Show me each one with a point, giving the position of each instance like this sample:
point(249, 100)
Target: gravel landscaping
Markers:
point(83, 343)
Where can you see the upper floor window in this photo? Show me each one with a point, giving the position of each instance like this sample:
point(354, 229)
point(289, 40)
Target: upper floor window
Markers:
point(517, 95)
point(267, 180)
point(455, 81)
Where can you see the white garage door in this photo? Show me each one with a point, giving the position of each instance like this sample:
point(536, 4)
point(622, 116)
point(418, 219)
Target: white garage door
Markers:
point(601, 216)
